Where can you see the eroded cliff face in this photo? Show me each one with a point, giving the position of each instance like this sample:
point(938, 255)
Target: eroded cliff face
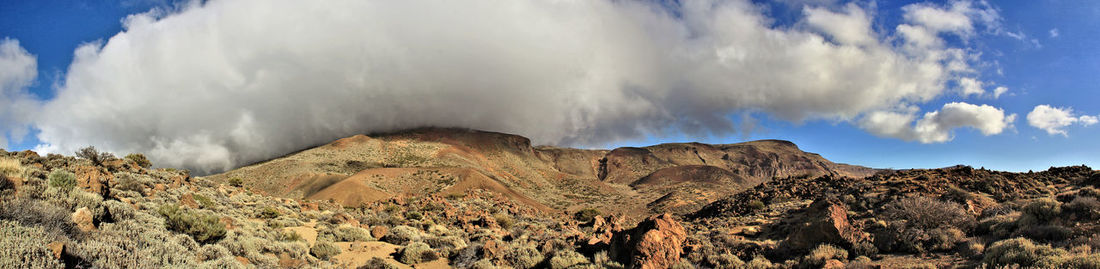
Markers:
point(676, 178)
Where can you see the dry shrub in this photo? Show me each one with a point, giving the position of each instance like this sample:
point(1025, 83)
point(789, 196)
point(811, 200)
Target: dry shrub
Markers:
point(139, 159)
point(1040, 211)
point(324, 250)
point(1021, 252)
point(822, 253)
point(566, 259)
point(417, 252)
point(204, 228)
point(25, 247)
point(927, 213)
point(10, 168)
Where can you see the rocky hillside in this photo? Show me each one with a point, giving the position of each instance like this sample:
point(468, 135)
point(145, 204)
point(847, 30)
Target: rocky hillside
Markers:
point(677, 178)
point(446, 199)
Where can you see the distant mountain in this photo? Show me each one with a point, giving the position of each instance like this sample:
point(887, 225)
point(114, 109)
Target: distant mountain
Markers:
point(674, 177)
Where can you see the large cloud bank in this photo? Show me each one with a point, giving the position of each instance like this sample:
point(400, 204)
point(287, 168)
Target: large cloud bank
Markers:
point(220, 84)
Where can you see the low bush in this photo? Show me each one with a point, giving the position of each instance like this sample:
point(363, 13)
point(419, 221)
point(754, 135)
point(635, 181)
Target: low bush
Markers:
point(1084, 207)
point(324, 250)
point(54, 219)
point(269, 213)
point(586, 215)
point(504, 220)
point(1047, 233)
point(567, 259)
point(401, 235)
point(345, 233)
point(417, 252)
point(524, 256)
point(128, 182)
point(822, 253)
point(10, 168)
point(236, 182)
point(446, 245)
point(204, 228)
point(1021, 252)
point(927, 213)
point(62, 179)
point(378, 263)
point(139, 159)
point(1040, 211)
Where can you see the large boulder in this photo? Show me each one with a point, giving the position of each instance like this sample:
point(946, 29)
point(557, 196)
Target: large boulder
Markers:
point(825, 221)
point(657, 242)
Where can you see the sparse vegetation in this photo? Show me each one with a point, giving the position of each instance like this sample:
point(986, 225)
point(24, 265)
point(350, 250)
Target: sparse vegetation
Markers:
point(324, 250)
point(586, 215)
point(62, 179)
point(139, 159)
point(417, 252)
point(97, 158)
point(203, 227)
point(236, 182)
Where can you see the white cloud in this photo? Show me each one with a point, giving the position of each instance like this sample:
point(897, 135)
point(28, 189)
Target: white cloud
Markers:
point(1054, 120)
point(223, 83)
point(1000, 90)
point(1054, 33)
point(971, 86)
point(18, 69)
point(937, 126)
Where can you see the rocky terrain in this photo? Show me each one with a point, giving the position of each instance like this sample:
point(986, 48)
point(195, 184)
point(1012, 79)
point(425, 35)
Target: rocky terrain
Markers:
point(446, 198)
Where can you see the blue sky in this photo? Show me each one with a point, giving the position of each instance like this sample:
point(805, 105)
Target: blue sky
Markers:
point(1044, 52)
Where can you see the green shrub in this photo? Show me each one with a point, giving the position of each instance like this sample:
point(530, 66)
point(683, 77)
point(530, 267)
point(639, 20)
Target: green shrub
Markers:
point(378, 263)
point(128, 182)
point(586, 215)
point(756, 205)
point(999, 226)
point(236, 182)
point(289, 235)
point(1021, 252)
point(204, 201)
point(759, 262)
point(324, 250)
point(1047, 233)
point(504, 220)
point(943, 239)
point(351, 234)
point(524, 256)
point(401, 235)
point(139, 159)
point(1040, 211)
point(62, 179)
point(417, 252)
point(204, 228)
point(269, 213)
point(413, 215)
point(566, 259)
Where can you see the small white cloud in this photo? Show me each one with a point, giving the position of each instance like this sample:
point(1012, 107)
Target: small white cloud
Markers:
point(1053, 120)
point(1000, 90)
point(937, 126)
point(1054, 33)
point(1088, 120)
point(971, 86)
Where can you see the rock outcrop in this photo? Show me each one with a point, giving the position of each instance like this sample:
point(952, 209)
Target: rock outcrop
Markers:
point(657, 242)
point(825, 222)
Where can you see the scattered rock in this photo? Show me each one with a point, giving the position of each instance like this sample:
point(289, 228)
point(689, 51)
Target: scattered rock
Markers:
point(188, 200)
point(379, 231)
point(833, 264)
point(56, 248)
point(83, 219)
point(93, 179)
point(243, 260)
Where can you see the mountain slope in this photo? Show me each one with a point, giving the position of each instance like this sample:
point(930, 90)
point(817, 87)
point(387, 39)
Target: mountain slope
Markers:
point(675, 177)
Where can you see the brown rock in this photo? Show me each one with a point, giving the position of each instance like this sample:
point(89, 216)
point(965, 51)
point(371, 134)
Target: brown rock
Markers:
point(160, 187)
point(228, 222)
point(83, 219)
point(833, 264)
point(342, 218)
point(657, 242)
point(604, 231)
point(826, 221)
point(243, 260)
point(309, 206)
point(188, 200)
point(56, 248)
point(93, 179)
point(379, 231)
